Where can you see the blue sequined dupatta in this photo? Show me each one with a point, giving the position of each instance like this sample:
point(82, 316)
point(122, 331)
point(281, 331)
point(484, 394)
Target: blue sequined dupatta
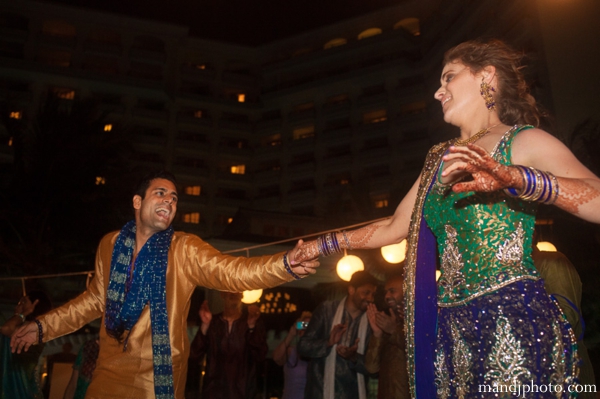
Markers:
point(128, 293)
point(420, 289)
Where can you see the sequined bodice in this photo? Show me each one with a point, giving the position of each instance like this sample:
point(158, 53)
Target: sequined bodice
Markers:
point(484, 239)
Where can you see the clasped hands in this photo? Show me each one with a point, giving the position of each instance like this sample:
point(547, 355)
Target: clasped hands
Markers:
point(301, 261)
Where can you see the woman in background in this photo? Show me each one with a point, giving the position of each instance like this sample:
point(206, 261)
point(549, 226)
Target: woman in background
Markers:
point(286, 355)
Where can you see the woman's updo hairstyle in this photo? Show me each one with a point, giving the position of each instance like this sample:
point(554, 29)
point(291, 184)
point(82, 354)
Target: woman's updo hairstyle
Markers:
point(514, 103)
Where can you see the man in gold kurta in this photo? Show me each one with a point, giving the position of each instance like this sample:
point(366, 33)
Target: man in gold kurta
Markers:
point(128, 372)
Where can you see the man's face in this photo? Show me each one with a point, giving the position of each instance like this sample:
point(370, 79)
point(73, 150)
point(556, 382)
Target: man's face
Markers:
point(231, 298)
point(362, 296)
point(394, 292)
point(157, 209)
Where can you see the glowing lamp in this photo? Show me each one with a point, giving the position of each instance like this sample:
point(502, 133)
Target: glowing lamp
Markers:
point(394, 253)
point(348, 265)
point(252, 296)
point(546, 246)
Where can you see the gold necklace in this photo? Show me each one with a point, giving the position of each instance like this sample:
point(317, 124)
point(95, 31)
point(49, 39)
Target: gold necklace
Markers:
point(475, 137)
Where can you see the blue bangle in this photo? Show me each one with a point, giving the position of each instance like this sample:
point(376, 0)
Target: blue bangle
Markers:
point(288, 268)
point(40, 331)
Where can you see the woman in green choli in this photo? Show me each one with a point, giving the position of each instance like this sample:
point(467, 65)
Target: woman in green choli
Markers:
point(487, 327)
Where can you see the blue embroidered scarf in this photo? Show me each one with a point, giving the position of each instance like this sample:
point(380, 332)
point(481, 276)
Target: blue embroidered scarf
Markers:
point(129, 293)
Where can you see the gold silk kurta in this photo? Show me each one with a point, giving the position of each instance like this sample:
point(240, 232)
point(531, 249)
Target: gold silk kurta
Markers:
point(192, 262)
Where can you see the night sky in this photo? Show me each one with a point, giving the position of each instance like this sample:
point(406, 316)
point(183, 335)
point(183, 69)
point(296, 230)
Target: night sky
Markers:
point(239, 21)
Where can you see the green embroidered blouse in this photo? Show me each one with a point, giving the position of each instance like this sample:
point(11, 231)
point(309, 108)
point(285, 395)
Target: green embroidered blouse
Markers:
point(484, 239)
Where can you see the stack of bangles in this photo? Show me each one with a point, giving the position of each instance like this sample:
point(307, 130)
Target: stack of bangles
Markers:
point(328, 243)
point(537, 186)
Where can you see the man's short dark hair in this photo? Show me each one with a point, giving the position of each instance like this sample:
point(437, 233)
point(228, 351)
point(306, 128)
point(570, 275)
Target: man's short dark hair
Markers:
point(144, 182)
point(361, 278)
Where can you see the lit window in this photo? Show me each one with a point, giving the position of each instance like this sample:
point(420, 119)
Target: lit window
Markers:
point(193, 217)
point(229, 220)
point(241, 98)
point(375, 116)
point(15, 115)
point(108, 127)
point(335, 42)
point(65, 94)
point(238, 169)
point(411, 25)
point(198, 114)
point(193, 190)
point(100, 180)
point(381, 201)
point(369, 32)
point(304, 132)
point(272, 140)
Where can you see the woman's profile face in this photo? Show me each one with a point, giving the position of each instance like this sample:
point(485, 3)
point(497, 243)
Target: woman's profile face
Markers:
point(459, 93)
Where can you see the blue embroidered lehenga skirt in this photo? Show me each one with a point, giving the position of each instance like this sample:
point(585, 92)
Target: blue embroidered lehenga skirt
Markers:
point(513, 342)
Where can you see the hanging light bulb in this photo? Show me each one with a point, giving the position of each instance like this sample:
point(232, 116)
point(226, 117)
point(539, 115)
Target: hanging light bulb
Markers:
point(348, 265)
point(251, 296)
point(546, 246)
point(394, 253)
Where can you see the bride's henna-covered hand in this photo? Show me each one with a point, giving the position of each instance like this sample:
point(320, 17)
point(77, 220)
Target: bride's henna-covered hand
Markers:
point(488, 175)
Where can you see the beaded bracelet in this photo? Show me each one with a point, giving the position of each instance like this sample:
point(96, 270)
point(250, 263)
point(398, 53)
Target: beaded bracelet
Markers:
point(288, 268)
point(537, 186)
point(40, 331)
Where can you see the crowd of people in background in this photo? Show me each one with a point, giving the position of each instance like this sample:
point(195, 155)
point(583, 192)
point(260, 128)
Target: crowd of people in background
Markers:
point(353, 346)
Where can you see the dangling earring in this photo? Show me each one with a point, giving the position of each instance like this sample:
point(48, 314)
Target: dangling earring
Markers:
point(486, 92)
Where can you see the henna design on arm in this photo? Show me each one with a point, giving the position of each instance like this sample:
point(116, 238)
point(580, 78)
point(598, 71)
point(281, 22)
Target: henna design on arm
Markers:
point(574, 193)
point(359, 238)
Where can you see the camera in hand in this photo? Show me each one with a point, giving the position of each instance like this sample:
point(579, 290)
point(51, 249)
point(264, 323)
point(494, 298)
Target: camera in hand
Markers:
point(301, 325)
